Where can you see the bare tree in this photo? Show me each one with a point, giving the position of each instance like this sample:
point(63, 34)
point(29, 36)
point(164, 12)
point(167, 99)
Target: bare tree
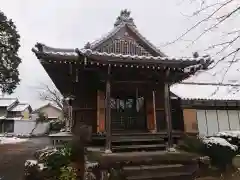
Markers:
point(214, 16)
point(52, 95)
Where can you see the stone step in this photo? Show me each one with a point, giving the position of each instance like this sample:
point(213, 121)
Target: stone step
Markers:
point(159, 171)
point(165, 176)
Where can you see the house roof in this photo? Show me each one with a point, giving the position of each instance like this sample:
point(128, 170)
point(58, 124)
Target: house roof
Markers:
point(20, 107)
point(6, 102)
point(206, 92)
point(103, 57)
point(46, 105)
point(96, 55)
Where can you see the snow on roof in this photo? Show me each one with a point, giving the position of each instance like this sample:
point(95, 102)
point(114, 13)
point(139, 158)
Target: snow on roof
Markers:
point(14, 118)
point(206, 92)
point(20, 107)
point(219, 141)
point(60, 134)
point(233, 134)
point(11, 140)
point(5, 102)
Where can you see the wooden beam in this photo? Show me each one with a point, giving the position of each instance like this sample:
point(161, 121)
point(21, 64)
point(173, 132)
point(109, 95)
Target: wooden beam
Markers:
point(168, 115)
point(108, 112)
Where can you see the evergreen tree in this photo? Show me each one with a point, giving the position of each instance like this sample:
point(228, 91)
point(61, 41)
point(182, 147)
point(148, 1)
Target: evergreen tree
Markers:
point(9, 59)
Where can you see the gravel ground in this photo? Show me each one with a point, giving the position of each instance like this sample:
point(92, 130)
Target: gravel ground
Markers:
point(13, 157)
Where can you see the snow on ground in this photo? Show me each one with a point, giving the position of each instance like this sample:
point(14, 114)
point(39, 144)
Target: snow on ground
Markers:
point(219, 141)
point(11, 140)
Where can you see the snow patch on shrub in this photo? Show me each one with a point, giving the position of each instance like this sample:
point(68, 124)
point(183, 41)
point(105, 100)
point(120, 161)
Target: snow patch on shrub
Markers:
point(219, 141)
point(231, 134)
point(31, 163)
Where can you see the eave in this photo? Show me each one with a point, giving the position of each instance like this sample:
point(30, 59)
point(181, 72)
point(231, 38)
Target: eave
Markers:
point(183, 66)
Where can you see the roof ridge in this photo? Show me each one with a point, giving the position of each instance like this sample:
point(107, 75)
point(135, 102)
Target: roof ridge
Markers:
point(124, 19)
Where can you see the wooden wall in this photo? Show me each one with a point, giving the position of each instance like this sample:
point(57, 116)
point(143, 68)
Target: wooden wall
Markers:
point(85, 103)
point(190, 120)
point(208, 122)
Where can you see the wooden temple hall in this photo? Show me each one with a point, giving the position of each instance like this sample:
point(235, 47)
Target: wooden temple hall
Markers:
point(120, 84)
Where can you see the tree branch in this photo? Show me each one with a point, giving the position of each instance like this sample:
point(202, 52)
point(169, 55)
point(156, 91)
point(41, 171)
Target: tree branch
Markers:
point(52, 95)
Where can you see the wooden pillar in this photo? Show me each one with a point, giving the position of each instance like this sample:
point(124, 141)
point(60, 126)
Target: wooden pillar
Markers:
point(101, 111)
point(167, 107)
point(151, 112)
point(154, 112)
point(108, 112)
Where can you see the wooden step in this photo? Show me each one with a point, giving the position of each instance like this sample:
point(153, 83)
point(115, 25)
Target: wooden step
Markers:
point(136, 139)
point(139, 147)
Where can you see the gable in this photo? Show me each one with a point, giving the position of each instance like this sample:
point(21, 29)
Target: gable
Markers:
point(125, 39)
point(51, 111)
point(123, 42)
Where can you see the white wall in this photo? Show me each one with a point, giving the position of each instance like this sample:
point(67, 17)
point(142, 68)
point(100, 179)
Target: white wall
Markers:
point(25, 127)
point(213, 121)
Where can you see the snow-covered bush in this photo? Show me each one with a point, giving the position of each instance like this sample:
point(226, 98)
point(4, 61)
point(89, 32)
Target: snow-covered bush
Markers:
point(34, 170)
point(232, 137)
point(52, 160)
point(219, 150)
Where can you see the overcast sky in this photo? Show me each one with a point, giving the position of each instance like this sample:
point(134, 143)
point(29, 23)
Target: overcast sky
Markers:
point(72, 23)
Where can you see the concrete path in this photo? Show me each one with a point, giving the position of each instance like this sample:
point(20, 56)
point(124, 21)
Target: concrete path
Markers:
point(13, 157)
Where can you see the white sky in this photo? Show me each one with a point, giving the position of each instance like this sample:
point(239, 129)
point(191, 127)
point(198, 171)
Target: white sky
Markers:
point(72, 23)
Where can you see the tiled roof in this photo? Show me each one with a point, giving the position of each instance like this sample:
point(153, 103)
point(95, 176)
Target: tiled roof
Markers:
point(43, 49)
point(20, 107)
point(6, 102)
point(206, 92)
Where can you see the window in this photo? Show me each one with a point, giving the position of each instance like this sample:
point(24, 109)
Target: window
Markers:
point(8, 126)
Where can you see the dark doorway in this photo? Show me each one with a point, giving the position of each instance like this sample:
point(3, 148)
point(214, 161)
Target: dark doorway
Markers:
point(128, 113)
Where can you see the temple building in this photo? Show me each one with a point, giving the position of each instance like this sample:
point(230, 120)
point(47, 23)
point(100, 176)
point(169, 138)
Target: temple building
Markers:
point(120, 84)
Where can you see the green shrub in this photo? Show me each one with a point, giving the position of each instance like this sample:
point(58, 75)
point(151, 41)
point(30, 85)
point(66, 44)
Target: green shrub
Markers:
point(192, 144)
point(56, 125)
point(68, 173)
